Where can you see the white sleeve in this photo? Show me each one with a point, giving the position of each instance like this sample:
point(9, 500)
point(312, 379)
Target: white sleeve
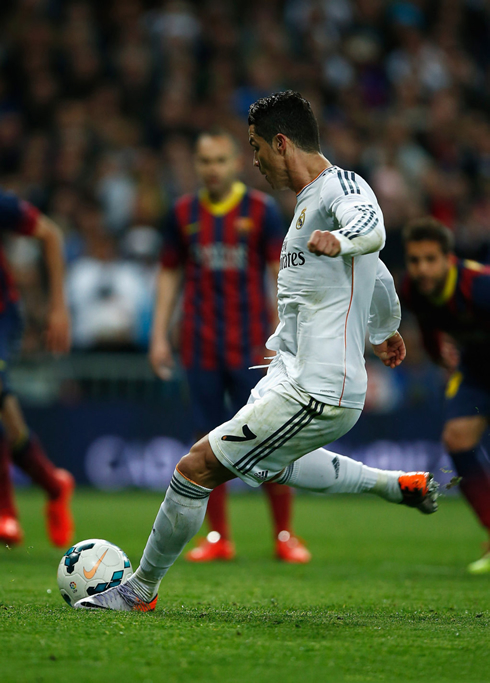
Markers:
point(361, 228)
point(385, 313)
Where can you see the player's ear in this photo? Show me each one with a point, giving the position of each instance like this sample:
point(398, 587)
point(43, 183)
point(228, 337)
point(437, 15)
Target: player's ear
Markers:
point(280, 143)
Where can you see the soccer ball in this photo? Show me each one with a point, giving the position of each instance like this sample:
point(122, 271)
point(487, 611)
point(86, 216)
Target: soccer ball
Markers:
point(90, 567)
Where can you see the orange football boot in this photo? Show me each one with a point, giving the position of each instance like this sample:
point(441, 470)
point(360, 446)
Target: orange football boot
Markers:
point(59, 519)
point(10, 530)
point(419, 490)
point(212, 548)
point(290, 549)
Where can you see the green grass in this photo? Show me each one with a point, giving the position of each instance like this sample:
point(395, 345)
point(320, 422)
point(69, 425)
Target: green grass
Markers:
point(386, 598)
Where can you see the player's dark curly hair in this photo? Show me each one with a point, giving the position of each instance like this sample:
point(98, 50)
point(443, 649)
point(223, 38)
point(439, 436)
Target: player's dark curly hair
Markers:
point(287, 113)
point(431, 230)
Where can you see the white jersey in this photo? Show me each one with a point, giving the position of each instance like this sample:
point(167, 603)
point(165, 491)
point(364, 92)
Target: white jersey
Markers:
point(326, 304)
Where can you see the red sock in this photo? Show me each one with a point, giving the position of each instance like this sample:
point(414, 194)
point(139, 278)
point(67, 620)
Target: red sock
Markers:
point(477, 493)
point(474, 468)
point(31, 458)
point(217, 512)
point(7, 505)
point(280, 499)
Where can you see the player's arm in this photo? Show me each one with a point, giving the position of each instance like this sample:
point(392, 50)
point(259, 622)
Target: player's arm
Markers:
point(169, 277)
point(22, 218)
point(167, 290)
point(384, 320)
point(58, 336)
point(361, 231)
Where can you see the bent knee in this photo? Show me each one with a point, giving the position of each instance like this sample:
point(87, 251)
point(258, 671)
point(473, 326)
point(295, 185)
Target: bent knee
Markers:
point(200, 463)
point(456, 436)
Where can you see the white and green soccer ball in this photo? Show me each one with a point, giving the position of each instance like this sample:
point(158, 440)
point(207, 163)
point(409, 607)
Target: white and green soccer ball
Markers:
point(90, 567)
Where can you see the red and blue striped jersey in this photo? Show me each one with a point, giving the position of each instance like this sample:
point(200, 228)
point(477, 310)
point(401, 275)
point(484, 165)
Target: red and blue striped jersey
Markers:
point(462, 311)
point(18, 217)
point(224, 249)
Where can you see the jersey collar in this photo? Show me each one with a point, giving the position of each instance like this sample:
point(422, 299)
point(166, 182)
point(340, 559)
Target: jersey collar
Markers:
point(220, 208)
point(312, 181)
point(449, 287)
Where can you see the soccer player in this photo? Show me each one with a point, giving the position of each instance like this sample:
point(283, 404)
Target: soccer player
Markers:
point(451, 296)
point(331, 288)
point(222, 241)
point(17, 441)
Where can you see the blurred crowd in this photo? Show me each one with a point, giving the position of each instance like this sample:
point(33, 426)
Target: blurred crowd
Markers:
point(100, 103)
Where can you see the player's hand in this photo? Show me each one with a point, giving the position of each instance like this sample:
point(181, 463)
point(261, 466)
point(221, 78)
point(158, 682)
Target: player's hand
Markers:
point(58, 334)
point(323, 243)
point(449, 354)
point(392, 351)
point(161, 358)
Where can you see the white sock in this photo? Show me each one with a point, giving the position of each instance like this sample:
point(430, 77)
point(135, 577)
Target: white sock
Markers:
point(179, 519)
point(325, 472)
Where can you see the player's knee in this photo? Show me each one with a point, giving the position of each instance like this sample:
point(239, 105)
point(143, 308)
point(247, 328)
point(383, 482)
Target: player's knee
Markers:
point(457, 437)
point(200, 464)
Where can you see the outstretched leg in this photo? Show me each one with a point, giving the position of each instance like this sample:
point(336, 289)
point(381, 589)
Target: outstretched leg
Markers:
point(323, 471)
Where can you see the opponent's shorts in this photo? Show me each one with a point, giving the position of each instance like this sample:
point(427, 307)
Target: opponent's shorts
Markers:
point(279, 424)
point(216, 395)
point(466, 396)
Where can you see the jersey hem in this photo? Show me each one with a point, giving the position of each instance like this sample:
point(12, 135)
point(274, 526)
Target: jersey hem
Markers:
point(334, 401)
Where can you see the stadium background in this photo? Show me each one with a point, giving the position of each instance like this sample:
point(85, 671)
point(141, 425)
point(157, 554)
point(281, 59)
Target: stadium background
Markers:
point(99, 106)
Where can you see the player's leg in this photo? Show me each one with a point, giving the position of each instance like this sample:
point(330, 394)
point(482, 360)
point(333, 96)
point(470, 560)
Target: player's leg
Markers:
point(287, 546)
point(10, 329)
point(28, 454)
point(262, 440)
point(461, 437)
point(467, 404)
point(207, 397)
point(180, 517)
point(10, 529)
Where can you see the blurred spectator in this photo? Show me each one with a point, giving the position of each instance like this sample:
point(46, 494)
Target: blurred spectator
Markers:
point(106, 294)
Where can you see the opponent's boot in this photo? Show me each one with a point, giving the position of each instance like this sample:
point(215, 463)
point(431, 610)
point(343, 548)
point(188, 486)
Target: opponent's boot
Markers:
point(212, 548)
point(120, 599)
point(290, 549)
point(481, 566)
point(10, 530)
point(419, 490)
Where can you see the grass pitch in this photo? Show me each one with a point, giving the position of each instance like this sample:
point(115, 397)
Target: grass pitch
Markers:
point(386, 598)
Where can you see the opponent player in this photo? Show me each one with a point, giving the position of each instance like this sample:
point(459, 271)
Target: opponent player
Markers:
point(331, 287)
point(16, 440)
point(452, 296)
point(222, 240)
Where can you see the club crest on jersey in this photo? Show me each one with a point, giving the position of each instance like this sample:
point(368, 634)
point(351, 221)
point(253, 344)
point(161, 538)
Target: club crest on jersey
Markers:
point(243, 225)
point(301, 220)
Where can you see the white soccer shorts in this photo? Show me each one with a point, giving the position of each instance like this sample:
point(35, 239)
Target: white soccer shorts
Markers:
point(279, 424)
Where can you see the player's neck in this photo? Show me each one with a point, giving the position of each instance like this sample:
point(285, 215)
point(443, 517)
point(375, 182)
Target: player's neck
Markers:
point(305, 168)
point(219, 196)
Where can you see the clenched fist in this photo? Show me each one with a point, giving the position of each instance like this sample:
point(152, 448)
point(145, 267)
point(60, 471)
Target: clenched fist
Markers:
point(324, 243)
